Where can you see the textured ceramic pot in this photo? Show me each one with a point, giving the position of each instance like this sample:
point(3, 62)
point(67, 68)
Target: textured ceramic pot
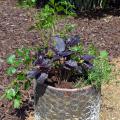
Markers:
point(66, 104)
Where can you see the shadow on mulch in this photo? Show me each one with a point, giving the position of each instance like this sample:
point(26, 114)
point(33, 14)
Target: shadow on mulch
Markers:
point(17, 114)
point(24, 110)
point(99, 13)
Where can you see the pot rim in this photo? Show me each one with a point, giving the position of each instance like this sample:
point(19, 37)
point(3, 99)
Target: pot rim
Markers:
point(89, 87)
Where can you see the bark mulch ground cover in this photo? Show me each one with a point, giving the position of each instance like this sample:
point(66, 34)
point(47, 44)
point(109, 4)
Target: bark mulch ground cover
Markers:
point(100, 28)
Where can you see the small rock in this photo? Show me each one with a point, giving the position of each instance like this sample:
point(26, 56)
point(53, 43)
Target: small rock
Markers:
point(1, 61)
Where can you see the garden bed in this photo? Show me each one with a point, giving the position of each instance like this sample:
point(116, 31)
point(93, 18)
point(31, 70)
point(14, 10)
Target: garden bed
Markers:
point(101, 28)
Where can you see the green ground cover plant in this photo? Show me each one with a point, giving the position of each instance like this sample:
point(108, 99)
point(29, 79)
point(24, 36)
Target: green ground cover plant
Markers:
point(18, 65)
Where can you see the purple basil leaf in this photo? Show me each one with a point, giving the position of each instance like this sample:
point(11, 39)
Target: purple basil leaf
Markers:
point(42, 62)
point(41, 79)
point(71, 63)
point(87, 57)
point(46, 62)
point(66, 53)
point(62, 54)
point(59, 44)
point(39, 60)
point(75, 40)
point(88, 65)
point(32, 74)
point(56, 57)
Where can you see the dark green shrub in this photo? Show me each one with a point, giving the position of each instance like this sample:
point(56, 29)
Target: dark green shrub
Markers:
point(80, 4)
point(84, 4)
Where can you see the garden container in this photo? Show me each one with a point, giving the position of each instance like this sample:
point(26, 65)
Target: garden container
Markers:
point(66, 104)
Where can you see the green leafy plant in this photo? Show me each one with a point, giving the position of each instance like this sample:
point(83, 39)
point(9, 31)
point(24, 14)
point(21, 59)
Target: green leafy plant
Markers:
point(48, 18)
point(100, 74)
point(17, 70)
point(62, 6)
point(45, 23)
point(27, 3)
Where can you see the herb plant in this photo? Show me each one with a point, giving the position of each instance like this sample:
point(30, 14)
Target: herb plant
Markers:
point(100, 73)
point(58, 57)
point(68, 61)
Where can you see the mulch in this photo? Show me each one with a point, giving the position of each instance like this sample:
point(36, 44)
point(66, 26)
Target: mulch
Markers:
point(102, 28)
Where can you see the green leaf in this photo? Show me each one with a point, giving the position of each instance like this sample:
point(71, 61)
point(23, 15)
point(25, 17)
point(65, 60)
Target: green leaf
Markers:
point(75, 49)
point(27, 60)
point(17, 87)
point(10, 94)
point(59, 8)
point(92, 50)
point(104, 54)
point(27, 85)
point(18, 62)
point(18, 96)
point(16, 103)
point(19, 52)
point(26, 51)
point(52, 2)
point(21, 76)
point(11, 70)
point(11, 59)
point(33, 1)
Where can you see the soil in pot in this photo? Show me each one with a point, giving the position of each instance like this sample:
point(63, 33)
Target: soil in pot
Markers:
point(72, 83)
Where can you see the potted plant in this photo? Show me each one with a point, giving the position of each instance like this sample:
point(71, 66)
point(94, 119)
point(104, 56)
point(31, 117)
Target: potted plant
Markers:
point(68, 80)
point(68, 75)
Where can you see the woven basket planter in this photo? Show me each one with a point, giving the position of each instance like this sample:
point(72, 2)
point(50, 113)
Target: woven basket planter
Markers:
point(66, 104)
